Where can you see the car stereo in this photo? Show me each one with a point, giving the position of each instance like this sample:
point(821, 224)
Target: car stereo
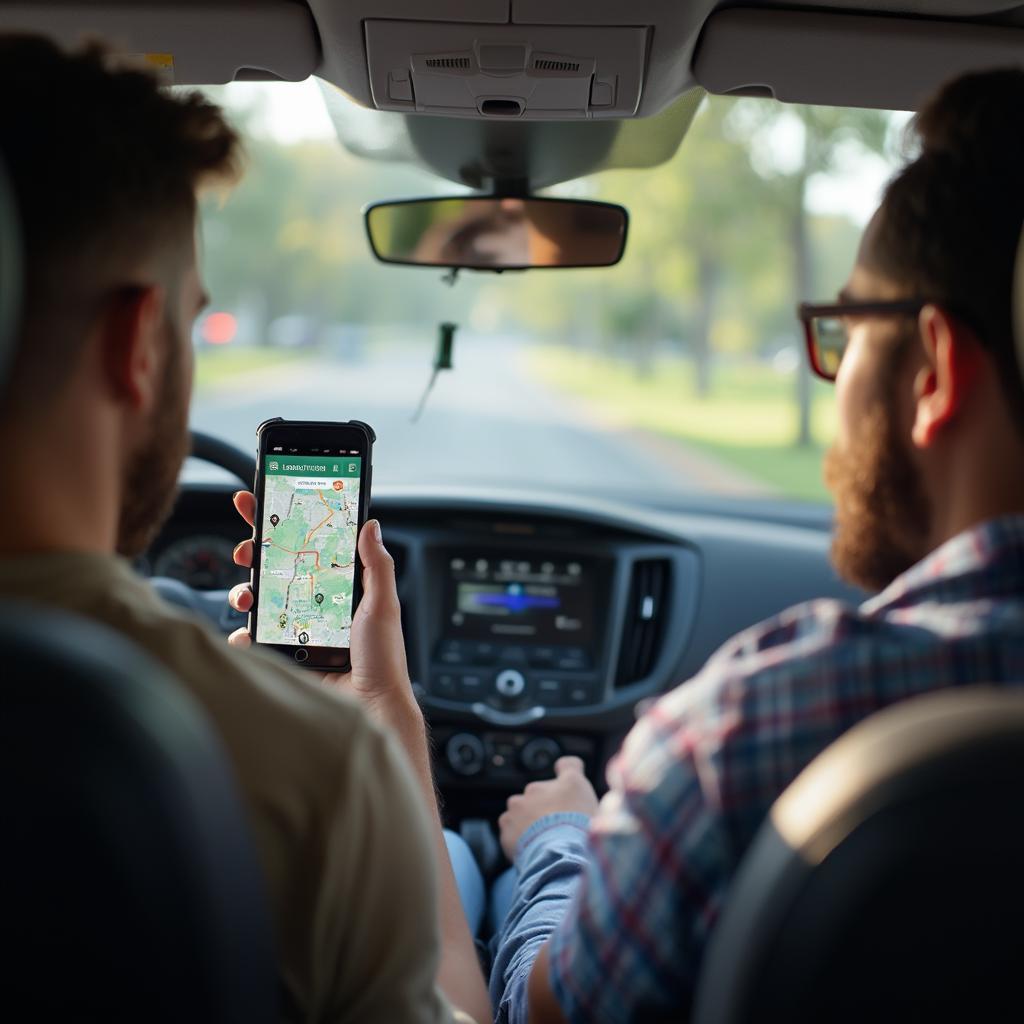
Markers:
point(518, 631)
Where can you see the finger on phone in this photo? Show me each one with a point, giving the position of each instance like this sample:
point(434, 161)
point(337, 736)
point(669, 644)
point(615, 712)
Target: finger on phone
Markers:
point(240, 638)
point(245, 503)
point(240, 597)
point(243, 554)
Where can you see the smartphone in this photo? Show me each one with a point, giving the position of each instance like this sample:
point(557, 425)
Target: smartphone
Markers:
point(312, 497)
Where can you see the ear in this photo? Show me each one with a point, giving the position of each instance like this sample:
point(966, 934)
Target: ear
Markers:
point(132, 340)
point(953, 362)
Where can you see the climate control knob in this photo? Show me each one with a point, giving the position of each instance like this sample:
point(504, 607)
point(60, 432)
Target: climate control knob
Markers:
point(539, 755)
point(465, 754)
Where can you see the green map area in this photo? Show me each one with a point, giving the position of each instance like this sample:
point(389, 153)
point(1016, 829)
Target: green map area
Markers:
point(307, 559)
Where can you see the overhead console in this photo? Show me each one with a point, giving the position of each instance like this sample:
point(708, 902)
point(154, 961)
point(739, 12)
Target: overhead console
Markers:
point(539, 72)
point(511, 60)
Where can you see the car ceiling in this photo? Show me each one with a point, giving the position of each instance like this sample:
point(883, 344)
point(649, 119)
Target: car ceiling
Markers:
point(813, 52)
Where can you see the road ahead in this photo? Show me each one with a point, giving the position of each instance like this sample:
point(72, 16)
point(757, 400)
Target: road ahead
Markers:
point(485, 423)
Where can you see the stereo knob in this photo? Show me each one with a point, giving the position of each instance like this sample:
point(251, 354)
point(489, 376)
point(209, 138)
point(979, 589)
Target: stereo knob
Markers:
point(465, 754)
point(510, 683)
point(539, 755)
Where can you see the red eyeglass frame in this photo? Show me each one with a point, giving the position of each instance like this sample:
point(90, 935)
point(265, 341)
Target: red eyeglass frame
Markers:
point(808, 312)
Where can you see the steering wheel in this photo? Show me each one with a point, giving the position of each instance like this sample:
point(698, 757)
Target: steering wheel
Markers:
point(220, 453)
point(211, 605)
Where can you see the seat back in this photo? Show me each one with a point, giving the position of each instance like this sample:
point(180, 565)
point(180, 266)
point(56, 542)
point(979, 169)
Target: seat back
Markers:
point(10, 275)
point(131, 887)
point(1018, 305)
point(888, 883)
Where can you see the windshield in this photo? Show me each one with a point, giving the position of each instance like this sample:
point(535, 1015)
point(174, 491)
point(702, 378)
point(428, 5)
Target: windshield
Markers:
point(679, 371)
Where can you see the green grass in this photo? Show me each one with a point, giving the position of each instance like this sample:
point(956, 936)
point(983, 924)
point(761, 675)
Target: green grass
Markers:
point(748, 421)
point(216, 366)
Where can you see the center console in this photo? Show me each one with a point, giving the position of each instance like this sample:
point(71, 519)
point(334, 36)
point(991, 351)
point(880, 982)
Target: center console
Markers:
point(531, 640)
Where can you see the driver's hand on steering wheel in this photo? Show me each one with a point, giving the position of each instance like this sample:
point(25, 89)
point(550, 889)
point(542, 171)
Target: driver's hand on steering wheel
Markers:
point(379, 677)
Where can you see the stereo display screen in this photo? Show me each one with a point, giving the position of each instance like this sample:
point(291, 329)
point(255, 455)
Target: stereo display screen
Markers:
point(534, 600)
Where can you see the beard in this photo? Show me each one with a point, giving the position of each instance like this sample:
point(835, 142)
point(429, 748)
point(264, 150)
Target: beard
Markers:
point(150, 484)
point(883, 518)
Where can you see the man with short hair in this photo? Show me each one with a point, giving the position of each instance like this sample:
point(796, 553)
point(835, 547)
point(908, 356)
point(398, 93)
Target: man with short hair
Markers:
point(613, 907)
point(105, 167)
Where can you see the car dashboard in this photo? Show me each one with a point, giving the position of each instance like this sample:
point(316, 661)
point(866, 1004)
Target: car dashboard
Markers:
point(536, 629)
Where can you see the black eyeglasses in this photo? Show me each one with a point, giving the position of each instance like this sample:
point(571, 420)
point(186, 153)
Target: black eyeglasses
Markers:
point(827, 328)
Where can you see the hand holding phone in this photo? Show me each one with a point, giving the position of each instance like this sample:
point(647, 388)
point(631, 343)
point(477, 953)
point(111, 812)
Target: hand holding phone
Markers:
point(312, 496)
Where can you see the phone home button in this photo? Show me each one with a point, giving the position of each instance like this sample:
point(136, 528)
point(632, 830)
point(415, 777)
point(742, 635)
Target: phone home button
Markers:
point(302, 654)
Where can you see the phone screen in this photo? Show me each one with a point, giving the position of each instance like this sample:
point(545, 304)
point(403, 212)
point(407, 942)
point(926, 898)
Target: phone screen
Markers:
point(307, 560)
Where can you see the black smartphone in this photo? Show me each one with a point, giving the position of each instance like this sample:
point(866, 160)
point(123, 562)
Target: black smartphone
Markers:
point(312, 497)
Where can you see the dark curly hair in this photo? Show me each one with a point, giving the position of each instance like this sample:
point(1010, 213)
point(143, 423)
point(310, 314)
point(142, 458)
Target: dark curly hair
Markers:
point(104, 165)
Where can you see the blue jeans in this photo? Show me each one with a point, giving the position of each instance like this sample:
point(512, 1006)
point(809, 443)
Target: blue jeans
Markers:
point(471, 887)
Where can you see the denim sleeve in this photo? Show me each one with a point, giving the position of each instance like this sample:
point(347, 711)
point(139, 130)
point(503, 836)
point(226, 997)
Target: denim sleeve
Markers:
point(549, 859)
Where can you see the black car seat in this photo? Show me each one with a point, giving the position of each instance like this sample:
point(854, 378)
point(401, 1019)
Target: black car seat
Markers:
point(131, 888)
point(1018, 303)
point(10, 273)
point(888, 883)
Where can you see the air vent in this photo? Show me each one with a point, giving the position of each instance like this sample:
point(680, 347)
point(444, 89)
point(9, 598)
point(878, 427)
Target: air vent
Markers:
point(645, 619)
point(448, 63)
point(544, 64)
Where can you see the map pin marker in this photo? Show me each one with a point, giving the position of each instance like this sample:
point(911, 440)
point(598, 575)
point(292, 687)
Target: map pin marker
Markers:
point(319, 598)
point(274, 520)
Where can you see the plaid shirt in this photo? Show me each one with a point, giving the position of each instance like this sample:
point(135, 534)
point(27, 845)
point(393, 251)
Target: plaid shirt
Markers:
point(629, 906)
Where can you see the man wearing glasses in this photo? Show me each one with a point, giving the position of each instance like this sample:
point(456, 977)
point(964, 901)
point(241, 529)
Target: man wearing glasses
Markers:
point(613, 906)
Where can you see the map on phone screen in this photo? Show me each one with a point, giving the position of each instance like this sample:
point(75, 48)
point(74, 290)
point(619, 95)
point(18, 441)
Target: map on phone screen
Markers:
point(307, 558)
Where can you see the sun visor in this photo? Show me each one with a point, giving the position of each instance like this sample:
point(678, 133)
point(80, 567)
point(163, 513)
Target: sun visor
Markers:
point(505, 72)
point(222, 41)
point(845, 60)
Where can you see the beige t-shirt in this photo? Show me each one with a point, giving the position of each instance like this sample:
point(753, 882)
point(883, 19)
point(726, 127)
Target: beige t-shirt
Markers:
point(341, 834)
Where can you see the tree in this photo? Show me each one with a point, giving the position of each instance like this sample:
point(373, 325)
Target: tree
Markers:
point(723, 227)
point(820, 136)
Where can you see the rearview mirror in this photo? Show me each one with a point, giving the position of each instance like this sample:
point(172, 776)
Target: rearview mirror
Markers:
point(476, 233)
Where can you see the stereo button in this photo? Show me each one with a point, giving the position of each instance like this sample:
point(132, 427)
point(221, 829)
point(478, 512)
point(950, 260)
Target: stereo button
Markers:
point(580, 694)
point(510, 684)
point(471, 688)
point(445, 685)
point(550, 693)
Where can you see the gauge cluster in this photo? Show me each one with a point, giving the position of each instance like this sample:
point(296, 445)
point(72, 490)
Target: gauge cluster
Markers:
point(203, 561)
point(196, 547)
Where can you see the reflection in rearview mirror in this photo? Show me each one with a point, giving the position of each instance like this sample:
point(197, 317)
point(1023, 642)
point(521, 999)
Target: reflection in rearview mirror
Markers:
point(476, 233)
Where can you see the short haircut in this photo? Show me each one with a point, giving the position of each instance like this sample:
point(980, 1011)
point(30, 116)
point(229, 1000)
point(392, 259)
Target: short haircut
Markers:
point(950, 222)
point(104, 165)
